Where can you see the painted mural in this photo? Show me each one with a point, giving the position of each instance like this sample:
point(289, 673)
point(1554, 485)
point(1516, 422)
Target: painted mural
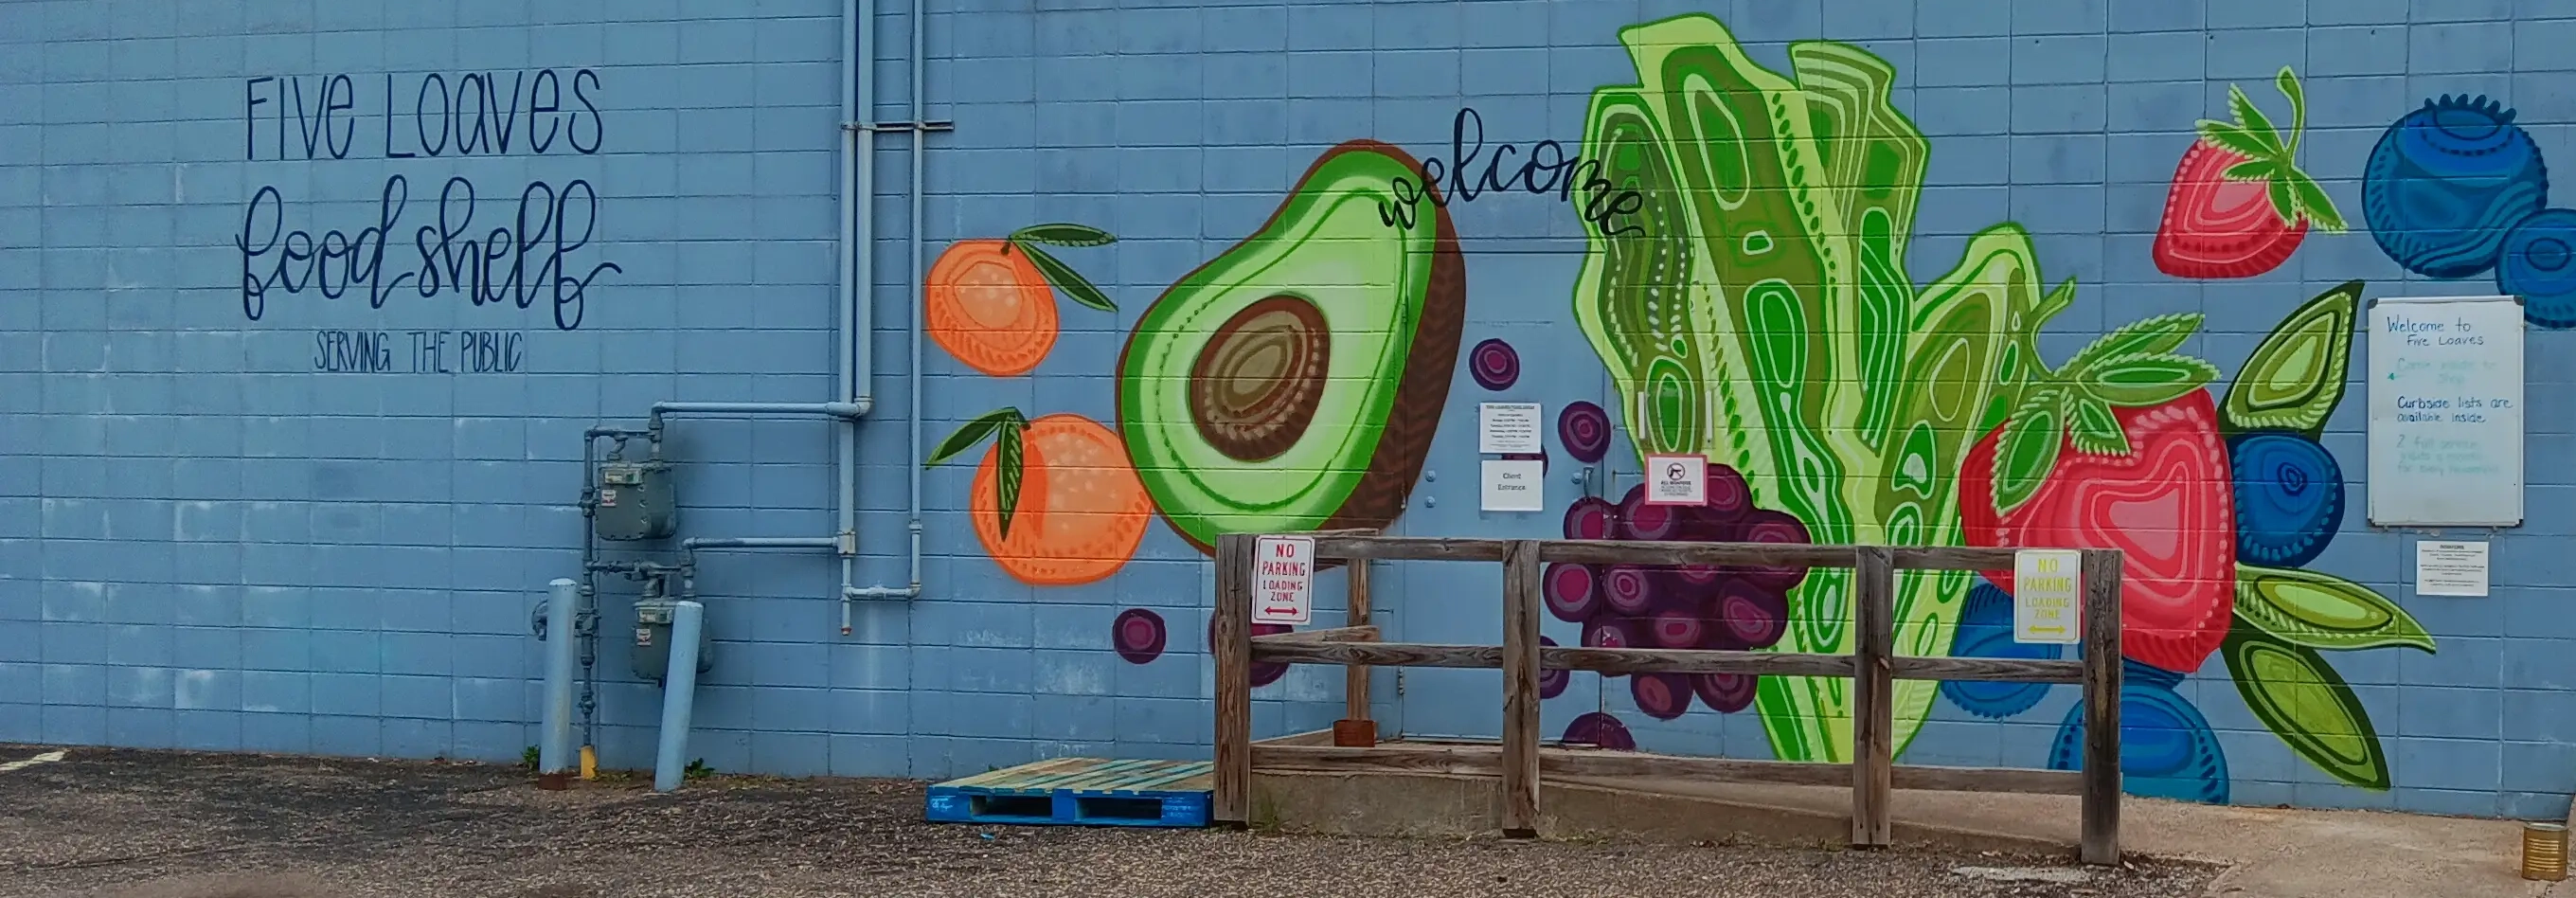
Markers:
point(1062, 479)
point(1294, 381)
point(1747, 293)
point(991, 303)
point(1757, 311)
point(2239, 205)
point(2455, 189)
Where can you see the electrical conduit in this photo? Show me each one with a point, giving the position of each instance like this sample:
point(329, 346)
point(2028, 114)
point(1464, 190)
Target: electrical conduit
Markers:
point(864, 15)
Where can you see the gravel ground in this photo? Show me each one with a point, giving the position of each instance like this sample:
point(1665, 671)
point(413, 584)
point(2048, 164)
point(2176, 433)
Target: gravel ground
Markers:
point(136, 824)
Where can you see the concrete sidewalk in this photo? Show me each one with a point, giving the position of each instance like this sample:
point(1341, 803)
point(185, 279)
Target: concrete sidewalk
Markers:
point(2270, 852)
point(2266, 852)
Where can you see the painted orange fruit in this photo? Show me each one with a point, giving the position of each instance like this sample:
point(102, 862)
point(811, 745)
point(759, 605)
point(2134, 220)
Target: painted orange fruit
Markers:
point(991, 303)
point(1080, 512)
point(990, 307)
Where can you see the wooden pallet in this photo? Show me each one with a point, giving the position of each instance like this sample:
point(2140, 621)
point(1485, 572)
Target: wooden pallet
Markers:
point(1079, 792)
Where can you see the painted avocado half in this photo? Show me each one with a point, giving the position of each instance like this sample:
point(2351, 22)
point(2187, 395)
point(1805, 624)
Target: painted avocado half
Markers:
point(1294, 381)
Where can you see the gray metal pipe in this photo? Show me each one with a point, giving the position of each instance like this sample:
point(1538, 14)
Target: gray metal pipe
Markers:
point(695, 543)
point(919, 282)
point(856, 315)
point(679, 695)
point(554, 747)
point(845, 410)
point(866, 15)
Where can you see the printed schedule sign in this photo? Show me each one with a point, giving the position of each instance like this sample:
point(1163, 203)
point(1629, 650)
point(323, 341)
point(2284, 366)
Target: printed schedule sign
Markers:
point(1507, 427)
point(1283, 580)
point(2446, 412)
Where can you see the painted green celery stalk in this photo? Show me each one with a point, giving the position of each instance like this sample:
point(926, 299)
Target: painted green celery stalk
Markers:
point(1756, 308)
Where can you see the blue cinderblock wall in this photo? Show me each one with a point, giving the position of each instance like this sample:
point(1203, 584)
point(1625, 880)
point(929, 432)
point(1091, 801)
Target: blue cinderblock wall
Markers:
point(304, 309)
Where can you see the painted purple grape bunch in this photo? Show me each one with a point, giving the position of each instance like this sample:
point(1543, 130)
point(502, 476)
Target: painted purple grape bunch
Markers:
point(1552, 683)
point(1599, 729)
point(1264, 673)
point(1494, 364)
point(1585, 430)
point(1138, 634)
point(1678, 607)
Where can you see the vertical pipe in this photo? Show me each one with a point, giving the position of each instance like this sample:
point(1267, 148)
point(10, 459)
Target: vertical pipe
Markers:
point(554, 749)
point(589, 597)
point(853, 342)
point(867, 273)
point(679, 689)
point(913, 407)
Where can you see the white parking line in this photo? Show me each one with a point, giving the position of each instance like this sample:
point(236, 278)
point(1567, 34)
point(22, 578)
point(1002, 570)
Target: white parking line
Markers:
point(46, 758)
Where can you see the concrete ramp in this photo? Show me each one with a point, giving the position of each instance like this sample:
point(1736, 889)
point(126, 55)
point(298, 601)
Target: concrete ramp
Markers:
point(2271, 852)
point(1639, 809)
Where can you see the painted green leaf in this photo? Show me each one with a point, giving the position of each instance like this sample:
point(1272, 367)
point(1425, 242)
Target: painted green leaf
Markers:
point(1061, 234)
point(2095, 429)
point(1066, 279)
point(2284, 202)
point(2234, 139)
point(2289, 85)
point(2314, 204)
point(2320, 611)
point(2141, 380)
point(2057, 300)
point(973, 432)
point(2301, 699)
point(2152, 336)
point(2254, 121)
point(2249, 170)
point(1009, 466)
point(2028, 450)
point(2296, 377)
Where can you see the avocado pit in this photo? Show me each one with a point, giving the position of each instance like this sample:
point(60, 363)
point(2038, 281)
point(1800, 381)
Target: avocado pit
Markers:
point(1258, 380)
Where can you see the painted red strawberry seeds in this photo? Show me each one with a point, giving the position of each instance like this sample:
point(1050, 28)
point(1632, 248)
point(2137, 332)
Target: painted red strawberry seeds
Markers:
point(2239, 205)
point(2121, 450)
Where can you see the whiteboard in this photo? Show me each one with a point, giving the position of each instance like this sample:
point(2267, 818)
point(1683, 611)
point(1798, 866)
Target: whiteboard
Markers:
point(2446, 411)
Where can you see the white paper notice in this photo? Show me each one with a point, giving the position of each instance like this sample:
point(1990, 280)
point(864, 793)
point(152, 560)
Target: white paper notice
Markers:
point(1283, 580)
point(1515, 485)
point(2450, 569)
point(1676, 480)
point(2048, 595)
point(1507, 427)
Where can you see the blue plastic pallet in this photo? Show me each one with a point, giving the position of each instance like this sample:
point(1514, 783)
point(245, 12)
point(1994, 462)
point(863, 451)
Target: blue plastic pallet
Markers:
point(1079, 792)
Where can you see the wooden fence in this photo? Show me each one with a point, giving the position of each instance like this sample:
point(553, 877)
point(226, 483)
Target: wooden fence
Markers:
point(1521, 759)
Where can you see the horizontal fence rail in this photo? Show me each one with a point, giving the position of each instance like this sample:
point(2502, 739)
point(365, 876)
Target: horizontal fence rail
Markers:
point(1521, 760)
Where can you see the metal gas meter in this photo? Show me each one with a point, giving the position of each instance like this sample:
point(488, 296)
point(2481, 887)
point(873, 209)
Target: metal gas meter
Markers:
point(652, 650)
point(634, 501)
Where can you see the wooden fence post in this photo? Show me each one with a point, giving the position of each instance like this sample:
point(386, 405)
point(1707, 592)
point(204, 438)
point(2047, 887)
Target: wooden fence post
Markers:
point(2101, 843)
point(1520, 689)
point(1231, 640)
point(1873, 695)
point(1355, 678)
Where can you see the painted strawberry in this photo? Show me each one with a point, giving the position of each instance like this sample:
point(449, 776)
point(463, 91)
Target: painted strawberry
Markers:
point(2121, 450)
point(2239, 205)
